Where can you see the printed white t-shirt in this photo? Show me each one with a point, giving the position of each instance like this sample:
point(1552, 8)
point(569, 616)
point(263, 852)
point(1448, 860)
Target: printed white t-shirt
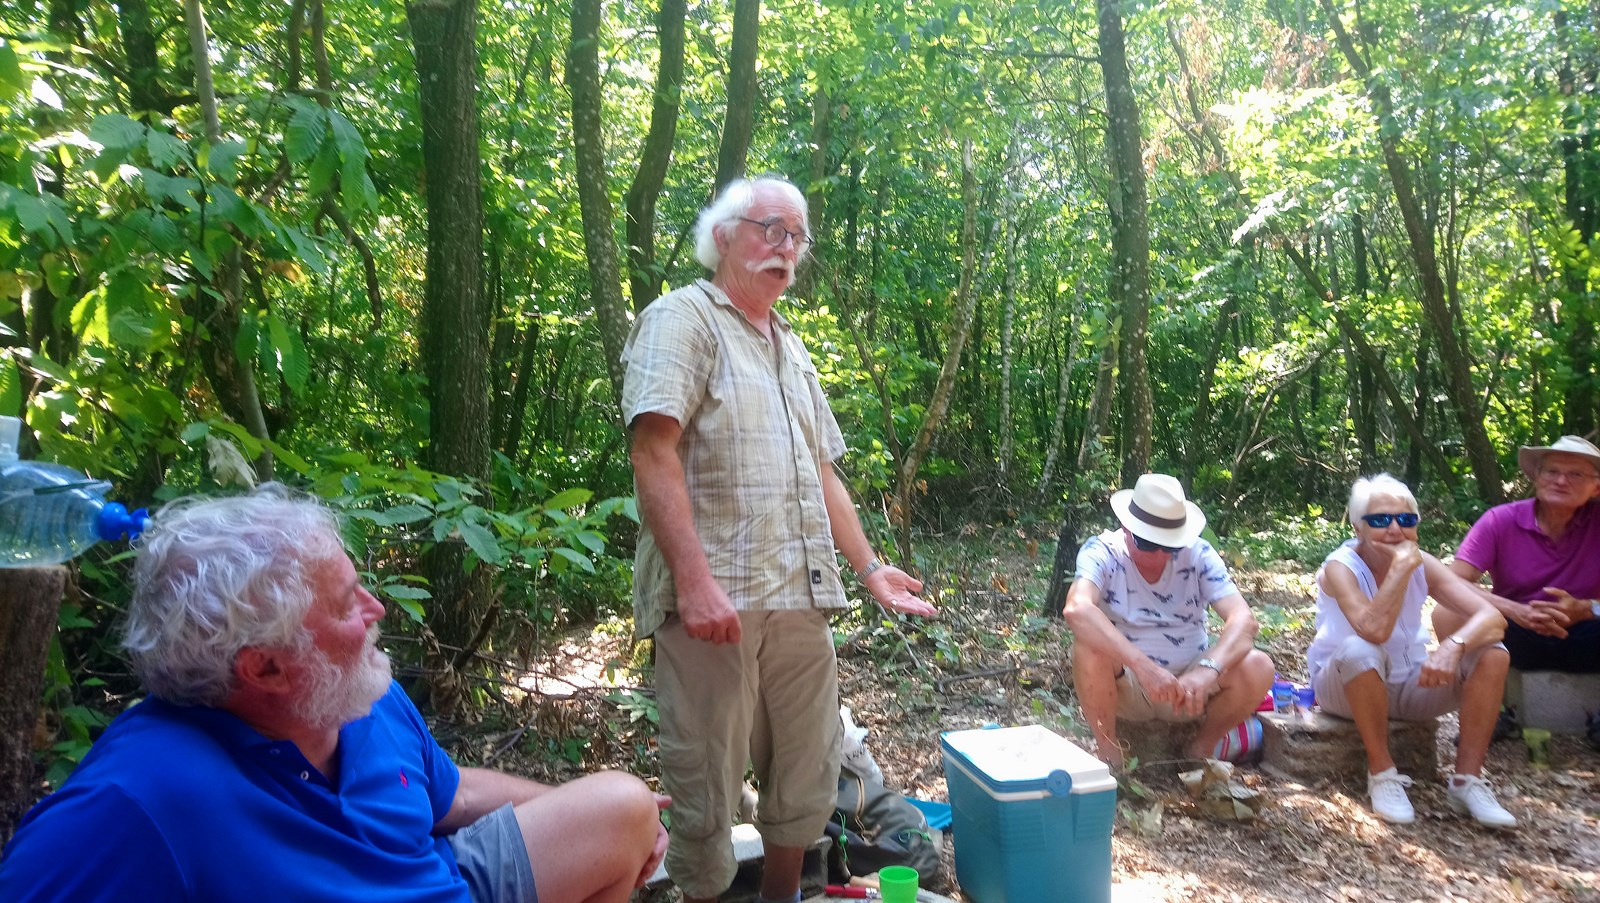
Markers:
point(1165, 620)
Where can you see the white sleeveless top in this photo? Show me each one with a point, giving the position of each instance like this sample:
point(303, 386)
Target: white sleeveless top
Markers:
point(1407, 644)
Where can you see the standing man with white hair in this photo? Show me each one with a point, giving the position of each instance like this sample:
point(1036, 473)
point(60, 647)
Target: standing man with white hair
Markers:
point(733, 451)
point(1370, 661)
point(1137, 610)
point(275, 759)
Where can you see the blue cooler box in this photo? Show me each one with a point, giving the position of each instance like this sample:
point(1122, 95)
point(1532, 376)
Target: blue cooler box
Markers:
point(1032, 816)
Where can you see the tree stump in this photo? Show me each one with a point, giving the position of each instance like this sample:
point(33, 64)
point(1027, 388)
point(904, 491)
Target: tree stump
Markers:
point(1310, 748)
point(29, 601)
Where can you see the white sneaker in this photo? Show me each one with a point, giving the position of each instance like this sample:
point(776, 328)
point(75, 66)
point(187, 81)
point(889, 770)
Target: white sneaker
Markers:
point(1472, 796)
point(1388, 791)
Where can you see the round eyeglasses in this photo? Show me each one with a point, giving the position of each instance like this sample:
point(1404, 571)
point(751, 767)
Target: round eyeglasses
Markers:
point(775, 232)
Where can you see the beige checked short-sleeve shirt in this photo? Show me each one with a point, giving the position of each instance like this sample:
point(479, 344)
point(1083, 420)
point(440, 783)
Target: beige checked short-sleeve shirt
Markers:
point(757, 429)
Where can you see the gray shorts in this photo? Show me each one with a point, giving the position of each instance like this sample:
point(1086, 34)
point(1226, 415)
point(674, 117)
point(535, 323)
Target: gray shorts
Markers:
point(1408, 700)
point(493, 859)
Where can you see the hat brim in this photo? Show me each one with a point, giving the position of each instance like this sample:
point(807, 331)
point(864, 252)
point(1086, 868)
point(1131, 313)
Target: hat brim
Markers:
point(1529, 456)
point(1194, 522)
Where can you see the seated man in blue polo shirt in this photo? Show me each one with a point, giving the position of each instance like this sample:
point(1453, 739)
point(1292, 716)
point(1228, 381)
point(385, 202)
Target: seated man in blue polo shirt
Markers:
point(275, 759)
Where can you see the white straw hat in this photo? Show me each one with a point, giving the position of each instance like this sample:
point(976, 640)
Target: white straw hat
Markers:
point(1156, 510)
point(1529, 456)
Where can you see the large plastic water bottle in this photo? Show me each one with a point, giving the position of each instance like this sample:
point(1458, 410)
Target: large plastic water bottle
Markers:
point(50, 513)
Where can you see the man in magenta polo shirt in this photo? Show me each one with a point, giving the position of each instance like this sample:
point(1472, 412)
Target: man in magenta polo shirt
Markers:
point(1543, 555)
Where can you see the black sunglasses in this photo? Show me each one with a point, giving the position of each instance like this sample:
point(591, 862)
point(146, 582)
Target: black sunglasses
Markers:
point(1145, 545)
point(1405, 519)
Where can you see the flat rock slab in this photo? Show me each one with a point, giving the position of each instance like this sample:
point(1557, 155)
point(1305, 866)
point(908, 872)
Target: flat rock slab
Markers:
point(1317, 746)
point(1553, 700)
point(1155, 741)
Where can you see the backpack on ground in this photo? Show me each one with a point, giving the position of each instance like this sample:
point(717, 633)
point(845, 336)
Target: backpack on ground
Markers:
point(874, 826)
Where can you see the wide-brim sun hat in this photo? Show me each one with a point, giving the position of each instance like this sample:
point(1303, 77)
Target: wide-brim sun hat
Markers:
point(1156, 510)
point(1529, 456)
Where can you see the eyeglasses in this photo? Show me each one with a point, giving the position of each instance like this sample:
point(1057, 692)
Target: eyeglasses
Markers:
point(1405, 519)
point(1145, 545)
point(774, 233)
point(1571, 476)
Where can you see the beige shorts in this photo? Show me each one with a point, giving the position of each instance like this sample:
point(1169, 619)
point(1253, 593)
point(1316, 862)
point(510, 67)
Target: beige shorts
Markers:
point(772, 702)
point(1134, 705)
point(1408, 700)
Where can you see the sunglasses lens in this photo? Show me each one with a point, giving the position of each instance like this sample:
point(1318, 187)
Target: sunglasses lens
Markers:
point(1406, 520)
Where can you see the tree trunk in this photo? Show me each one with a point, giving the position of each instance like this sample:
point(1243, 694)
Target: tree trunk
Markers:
point(1130, 239)
point(30, 599)
point(1008, 312)
point(232, 378)
point(594, 199)
point(644, 274)
point(1058, 426)
point(966, 305)
point(821, 135)
point(740, 121)
point(1452, 356)
point(455, 322)
point(1579, 79)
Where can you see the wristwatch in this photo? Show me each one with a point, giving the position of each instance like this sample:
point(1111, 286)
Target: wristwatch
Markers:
point(1594, 608)
point(867, 571)
point(1457, 640)
point(1209, 663)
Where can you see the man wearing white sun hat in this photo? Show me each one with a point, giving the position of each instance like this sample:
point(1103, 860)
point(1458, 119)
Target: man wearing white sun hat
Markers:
point(1137, 610)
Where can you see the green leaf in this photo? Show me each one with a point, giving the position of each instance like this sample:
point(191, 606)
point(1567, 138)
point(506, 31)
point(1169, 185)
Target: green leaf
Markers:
point(165, 151)
point(402, 591)
point(411, 608)
point(130, 330)
point(322, 170)
point(352, 195)
point(12, 81)
point(10, 385)
point(405, 514)
point(307, 129)
point(194, 432)
point(247, 342)
point(568, 499)
point(481, 542)
point(115, 131)
point(576, 557)
point(592, 541)
point(222, 160)
point(291, 355)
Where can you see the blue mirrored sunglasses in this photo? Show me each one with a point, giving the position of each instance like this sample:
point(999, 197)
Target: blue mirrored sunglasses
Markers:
point(1145, 545)
point(1405, 519)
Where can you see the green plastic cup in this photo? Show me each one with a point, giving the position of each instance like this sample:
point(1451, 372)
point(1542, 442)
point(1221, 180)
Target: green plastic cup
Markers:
point(897, 884)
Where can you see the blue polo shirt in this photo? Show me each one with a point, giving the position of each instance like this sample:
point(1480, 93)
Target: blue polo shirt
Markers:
point(177, 803)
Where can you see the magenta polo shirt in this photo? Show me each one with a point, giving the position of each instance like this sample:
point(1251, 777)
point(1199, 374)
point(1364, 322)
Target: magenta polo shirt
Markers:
point(1507, 542)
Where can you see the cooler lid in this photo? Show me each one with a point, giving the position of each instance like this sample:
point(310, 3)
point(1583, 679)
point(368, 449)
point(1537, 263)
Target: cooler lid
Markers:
point(1031, 760)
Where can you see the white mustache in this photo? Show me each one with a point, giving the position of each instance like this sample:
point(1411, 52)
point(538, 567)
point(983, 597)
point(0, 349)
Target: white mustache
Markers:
point(774, 262)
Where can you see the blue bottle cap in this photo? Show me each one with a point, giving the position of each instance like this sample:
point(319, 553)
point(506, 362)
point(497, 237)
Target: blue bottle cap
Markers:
point(115, 521)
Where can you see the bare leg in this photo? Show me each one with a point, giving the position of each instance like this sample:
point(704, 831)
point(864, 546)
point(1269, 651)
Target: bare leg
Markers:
point(1094, 674)
point(589, 839)
point(780, 873)
point(1242, 688)
point(1481, 695)
point(1369, 708)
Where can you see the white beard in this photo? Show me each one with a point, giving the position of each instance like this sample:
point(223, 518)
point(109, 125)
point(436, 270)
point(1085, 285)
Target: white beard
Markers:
point(333, 696)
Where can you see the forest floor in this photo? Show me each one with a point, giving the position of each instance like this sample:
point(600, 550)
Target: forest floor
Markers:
point(992, 657)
